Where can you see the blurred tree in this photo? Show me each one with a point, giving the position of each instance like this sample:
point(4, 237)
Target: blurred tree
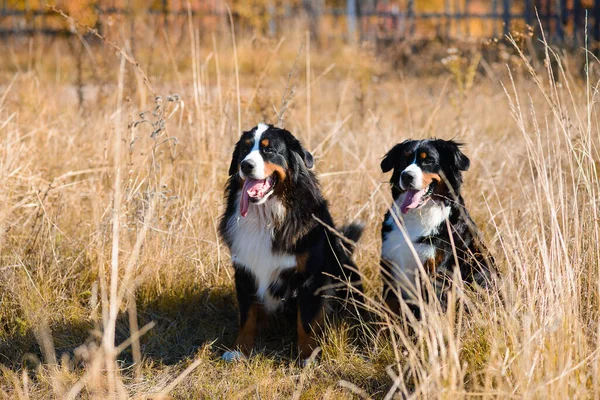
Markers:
point(258, 14)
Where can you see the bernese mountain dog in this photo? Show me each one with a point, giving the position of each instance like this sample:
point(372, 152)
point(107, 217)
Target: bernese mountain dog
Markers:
point(428, 225)
point(284, 247)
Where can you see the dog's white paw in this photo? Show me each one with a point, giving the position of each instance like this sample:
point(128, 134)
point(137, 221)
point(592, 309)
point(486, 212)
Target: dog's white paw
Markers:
point(309, 362)
point(231, 356)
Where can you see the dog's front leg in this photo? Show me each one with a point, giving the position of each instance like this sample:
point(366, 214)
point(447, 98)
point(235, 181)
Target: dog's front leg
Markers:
point(251, 315)
point(310, 320)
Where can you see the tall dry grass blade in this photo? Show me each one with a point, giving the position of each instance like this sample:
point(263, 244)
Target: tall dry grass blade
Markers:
point(237, 72)
point(308, 94)
point(108, 340)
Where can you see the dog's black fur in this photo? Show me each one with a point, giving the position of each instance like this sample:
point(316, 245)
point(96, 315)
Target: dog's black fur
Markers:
point(442, 164)
point(321, 259)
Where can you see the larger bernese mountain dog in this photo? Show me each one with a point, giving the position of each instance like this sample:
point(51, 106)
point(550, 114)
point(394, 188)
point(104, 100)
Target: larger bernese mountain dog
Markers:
point(283, 243)
point(428, 224)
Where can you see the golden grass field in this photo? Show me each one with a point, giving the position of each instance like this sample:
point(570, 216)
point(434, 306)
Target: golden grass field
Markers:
point(114, 282)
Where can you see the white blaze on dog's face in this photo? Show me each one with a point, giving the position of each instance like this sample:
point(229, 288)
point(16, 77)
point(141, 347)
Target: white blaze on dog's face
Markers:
point(255, 157)
point(416, 175)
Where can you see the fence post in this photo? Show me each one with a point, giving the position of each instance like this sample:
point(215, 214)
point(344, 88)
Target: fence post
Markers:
point(165, 16)
point(98, 25)
point(131, 17)
point(411, 17)
point(548, 17)
point(359, 19)
point(560, 19)
point(271, 10)
point(597, 21)
point(457, 17)
point(576, 18)
point(467, 15)
point(312, 9)
point(528, 14)
point(351, 18)
point(494, 17)
point(447, 17)
point(506, 17)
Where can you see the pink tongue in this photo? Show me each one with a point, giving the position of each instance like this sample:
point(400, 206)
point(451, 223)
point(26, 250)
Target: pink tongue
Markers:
point(412, 199)
point(254, 188)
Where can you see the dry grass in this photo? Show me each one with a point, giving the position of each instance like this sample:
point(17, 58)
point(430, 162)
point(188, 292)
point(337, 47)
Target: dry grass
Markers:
point(108, 223)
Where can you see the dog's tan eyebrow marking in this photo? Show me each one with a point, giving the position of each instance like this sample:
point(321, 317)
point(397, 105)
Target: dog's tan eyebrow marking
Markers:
point(248, 141)
point(265, 142)
point(423, 155)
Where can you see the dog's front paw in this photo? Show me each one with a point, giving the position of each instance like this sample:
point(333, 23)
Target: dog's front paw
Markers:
point(231, 356)
point(309, 362)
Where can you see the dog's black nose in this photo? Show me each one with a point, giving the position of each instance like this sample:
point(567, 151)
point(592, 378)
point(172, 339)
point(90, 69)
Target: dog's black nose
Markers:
point(247, 166)
point(407, 179)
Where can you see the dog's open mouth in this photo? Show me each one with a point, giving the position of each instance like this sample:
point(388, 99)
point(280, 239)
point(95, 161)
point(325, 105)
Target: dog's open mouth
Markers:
point(254, 191)
point(417, 198)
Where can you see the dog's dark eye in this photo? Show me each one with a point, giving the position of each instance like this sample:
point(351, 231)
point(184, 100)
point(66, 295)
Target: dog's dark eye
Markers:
point(268, 150)
point(427, 161)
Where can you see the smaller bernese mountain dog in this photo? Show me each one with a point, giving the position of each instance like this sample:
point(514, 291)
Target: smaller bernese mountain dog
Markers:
point(427, 219)
point(283, 245)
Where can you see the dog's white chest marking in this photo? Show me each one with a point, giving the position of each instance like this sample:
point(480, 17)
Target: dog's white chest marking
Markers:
point(396, 247)
point(252, 245)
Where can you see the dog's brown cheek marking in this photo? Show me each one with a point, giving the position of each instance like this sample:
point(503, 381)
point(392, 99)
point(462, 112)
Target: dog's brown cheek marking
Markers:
point(306, 340)
point(247, 336)
point(271, 168)
point(301, 260)
point(430, 177)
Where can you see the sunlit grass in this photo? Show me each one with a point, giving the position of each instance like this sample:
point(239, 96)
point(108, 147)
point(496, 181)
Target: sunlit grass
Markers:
point(532, 188)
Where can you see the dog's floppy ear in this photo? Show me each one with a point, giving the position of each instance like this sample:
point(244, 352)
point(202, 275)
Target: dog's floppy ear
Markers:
point(460, 160)
point(302, 159)
point(308, 159)
point(295, 146)
point(233, 168)
point(387, 164)
point(304, 154)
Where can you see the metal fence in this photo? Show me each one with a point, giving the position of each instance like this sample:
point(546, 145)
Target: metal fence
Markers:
point(562, 20)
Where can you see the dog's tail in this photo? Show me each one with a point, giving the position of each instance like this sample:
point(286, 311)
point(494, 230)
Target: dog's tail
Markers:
point(352, 231)
point(351, 275)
